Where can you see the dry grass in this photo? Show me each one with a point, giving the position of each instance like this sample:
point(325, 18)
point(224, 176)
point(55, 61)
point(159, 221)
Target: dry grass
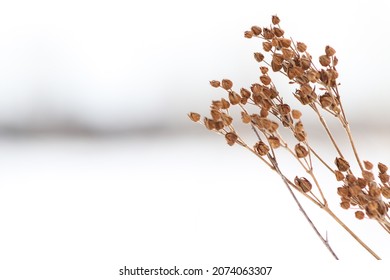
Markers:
point(263, 110)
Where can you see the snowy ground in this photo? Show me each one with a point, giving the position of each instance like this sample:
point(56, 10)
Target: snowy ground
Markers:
point(82, 208)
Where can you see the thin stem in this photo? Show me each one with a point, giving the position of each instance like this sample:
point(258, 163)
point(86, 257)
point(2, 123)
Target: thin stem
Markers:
point(364, 245)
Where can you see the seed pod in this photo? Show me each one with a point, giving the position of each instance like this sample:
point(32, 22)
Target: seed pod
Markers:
point(276, 67)
point(277, 58)
point(342, 164)
point(359, 215)
point(303, 184)
point(284, 109)
point(368, 175)
point(215, 83)
point(256, 88)
point(268, 34)
point(278, 31)
point(226, 119)
point(195, 117)
point(354, 190)
point(219, 125)
point(224, 103)
point(209, 124)
point(343, 191)
point(259, 56)
point(267, 46)
point(231, 138)
point(275, 19)
point(263, 70)
point(301, 47)
point(329, 51)
point(324, 60)
point(245, 117)
point(386, 192)
point(384, 177)
point(227, 84)
point(286, 43)
point(287, 53)
point(234, 98)
point(345, 205)
point(261, 148)
point(256, 30)
point(265, 79)
point(245, 93)
point(382, 168)
point(326, 100)
point(215, 114)
point(274, 142)
point(339, 175)
point(305, 63)
point(248, 34)
point(362, 183)
point(301, 151)
point(296, 114)
point(351, 179)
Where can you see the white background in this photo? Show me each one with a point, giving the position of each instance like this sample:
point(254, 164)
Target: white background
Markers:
point(159, 190)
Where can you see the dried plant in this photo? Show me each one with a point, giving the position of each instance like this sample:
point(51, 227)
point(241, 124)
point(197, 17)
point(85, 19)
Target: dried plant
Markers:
point(264, 111)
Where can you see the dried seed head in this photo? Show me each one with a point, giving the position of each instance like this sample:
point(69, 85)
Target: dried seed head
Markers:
point(345, 204)
point(245, 93)
point(259, 56)
point(335, 61)
point(296, 114)
point(287, 53)
point(303, 184)
point(359, 215)
point(226, 119)
point(219, 125)
point(248, 34)
point(351, 179)
point(278, 31)
point(362, 183)
point(245, 117)
point(234, 98)
point(256, 88)
point(367, 175)
point(374, 192)
point(382, 168)
point(268, 34)
point(301, 47)
point(224, 103)
point(305, 63)
point(264, 70)
point(306, 89)
point(231, 138)
point(215, 83)
point(301, 151)
point(343, 191)
point(195, 117)
point(285, 43)
point(267, 46)
point(354, 190)
point(326, 100)
point(215, 114)
point(261, 148)
point(276, 67)
point(284, 109)
point(209, 124)
point(275, 19)
point(265, 79)
point(386, 192)
point(339, 175)
point(274, 142)
point(324, 60)
point(227, 84)
point(329, 51)
point(384, 177)
point(342, 164)
point(256, 30)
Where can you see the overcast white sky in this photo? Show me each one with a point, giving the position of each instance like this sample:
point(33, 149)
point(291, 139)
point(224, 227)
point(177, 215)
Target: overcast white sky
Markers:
point(115, 63)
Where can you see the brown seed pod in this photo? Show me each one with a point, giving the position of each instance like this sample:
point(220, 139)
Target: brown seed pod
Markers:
point(384, 177)
point(362, 183)
point(284, 109)
point(301, 47)
point(301, 151)
point(275, 19)
point(326, 100)
point(259, 56)
point(224, 103)
point(261, 148)
point(234, 98)
point(296, 114)
point(215, 83)
point(195, 117)
point(368, 176)
point(329, 51)
point(226, 119)
point(359, 215)
point(219, 125)
point(264, 70)
point(274, 142)
point(268, 34)
point(303, 184)
point(209, 124)
point(343, 191)
point(231, 138)
point(285, 43)
point(265, 79)
point(277, 58)
point(382, 168)
point(256, 30)
point(386, 192)
point(339, 175)
point(287, 53)
point(245, 93)
point(342, 164)
point(245, 117)
point(278, 31)
point(276, 67)
point(324, 60)
point(227, 84)
point(248, 34)
point(267, 46)
point(215, 114)
point(345, 205)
